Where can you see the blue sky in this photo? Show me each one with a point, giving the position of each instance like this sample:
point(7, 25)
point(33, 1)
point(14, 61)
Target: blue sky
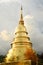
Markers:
point(9, 18)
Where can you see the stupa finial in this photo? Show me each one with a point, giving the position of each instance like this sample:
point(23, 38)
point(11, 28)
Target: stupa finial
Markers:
point(21, 16)
point(21, 13)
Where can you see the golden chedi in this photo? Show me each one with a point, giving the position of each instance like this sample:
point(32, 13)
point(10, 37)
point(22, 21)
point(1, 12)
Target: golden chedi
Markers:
point(21, 46)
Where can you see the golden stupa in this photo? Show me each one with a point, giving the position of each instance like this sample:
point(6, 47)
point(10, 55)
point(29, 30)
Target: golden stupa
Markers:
point(21, 46)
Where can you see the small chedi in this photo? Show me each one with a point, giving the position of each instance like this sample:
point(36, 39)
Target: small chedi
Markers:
point(21, 46)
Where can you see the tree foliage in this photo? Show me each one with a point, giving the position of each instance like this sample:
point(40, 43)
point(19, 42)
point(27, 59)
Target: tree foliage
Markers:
point(2, 58)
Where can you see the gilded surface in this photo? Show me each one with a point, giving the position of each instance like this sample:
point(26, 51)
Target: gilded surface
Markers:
point(21, 45)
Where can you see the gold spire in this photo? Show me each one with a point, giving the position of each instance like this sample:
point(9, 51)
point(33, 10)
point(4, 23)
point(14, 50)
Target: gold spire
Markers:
point(21, 13)
point(21, 17)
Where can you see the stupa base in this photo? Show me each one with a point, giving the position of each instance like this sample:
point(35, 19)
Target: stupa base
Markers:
point(17, 63)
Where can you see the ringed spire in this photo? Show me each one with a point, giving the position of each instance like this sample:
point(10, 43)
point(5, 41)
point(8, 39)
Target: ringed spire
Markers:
point(21, 17)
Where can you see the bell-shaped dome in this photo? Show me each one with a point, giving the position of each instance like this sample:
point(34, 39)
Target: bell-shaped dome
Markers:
point(21, 36)
point(21, 28)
